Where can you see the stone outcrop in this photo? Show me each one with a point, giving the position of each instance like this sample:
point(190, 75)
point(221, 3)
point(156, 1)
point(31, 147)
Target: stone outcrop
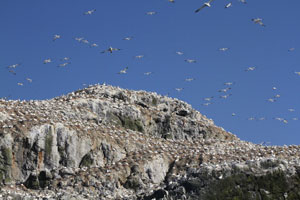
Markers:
point(104, 142)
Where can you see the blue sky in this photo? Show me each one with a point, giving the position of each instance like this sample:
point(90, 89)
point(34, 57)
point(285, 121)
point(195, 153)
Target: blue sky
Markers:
point(28, 27)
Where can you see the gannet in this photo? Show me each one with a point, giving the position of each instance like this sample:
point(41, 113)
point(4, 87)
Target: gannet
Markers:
point(258, 21)
point(123, 71)
point(228, 5)
point(47, 61)
point(190, 61)
point(55, 37)
point(207, 4)
point(110, 49)
point(89, 12)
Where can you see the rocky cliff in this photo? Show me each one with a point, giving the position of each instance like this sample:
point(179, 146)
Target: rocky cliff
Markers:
point(104, 142)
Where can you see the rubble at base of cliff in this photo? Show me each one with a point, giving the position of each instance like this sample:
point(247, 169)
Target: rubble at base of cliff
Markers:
point(104, 142)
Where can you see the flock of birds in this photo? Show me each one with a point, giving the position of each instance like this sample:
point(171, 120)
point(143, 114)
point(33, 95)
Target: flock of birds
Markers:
point(224, 93)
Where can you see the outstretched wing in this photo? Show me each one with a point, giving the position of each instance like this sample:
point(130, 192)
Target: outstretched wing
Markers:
point(200, 8)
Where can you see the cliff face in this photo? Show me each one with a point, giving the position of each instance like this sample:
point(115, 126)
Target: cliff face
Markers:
point(104, 142)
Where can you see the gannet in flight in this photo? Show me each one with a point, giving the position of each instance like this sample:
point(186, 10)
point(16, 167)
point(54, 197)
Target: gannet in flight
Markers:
point(228, 83)
point(271, 100)
point(258, 21)
point(250, 69)
point(13, 66)
point(55, 37)
point(223, 49)
point(139, 56)
point(128, 38)
point(189, 79)
point(171, 1)
point(206, 104)
point(151, 13)
point(63, 64)
point(65, 59)
point(291, 110)
point(89, 12)
point(29, 80)
point(78, 39)
point(110, 49)
point(94, 45)
point(47, 61)
point(20, 84)
point(123, 71)
point(208, 98)
point(179, 89)
point(147, 73)
point(179, 53)
point(190, 61)
point(298, 73)
point(243, 1)
point(274, 88)
point(225, 89)
point(225, 96)
point(13, 72)
point(277, 96)
point(228, 5)
point(291, 49)
point(207, 4)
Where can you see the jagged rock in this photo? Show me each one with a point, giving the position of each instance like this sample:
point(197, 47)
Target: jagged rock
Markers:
point(104, 142)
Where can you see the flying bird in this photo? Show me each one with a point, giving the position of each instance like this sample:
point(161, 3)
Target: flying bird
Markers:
point(89, 12)
point(208, 98)
point(223, 49)
point(229, 83)
point(207, 4)
point(78, 39)
point(20, 84)
point(250, 69)
point(207, 104)
point(225, 89)
point(128, 38)
point(291, 49)
point(123, 71)
point(171, 1)
point(243, 1)
point(147, 73)
point(63, 64)
point(189, 79)
point(13, 66)
point(139, 56)
point(47, 61)
point(110, 49)
point(258, 21)
point(65, 59)
point(179, 53)
point(179, 89)
point(29, 80)
point(94, 45)
point(228, 5)
point(55, 37)
point(298, 73)
point(190, 61)
point(151, 13)
point(13, 72)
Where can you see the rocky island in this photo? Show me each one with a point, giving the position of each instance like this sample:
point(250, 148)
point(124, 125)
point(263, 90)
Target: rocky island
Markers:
point(104, 142)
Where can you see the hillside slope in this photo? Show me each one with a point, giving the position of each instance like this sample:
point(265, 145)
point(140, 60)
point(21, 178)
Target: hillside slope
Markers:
point(104, 142)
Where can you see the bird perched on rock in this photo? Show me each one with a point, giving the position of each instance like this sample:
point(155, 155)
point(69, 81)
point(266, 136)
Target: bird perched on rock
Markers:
point(89, 12)
point(123, 71)
point(110, 49)
point(207, 4)
point(258, 21)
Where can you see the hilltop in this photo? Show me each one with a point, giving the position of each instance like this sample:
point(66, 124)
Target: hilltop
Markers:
point(104, 142)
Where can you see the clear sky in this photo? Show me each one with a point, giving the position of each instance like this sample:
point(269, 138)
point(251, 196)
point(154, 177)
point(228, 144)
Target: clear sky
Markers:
point(27, 29)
